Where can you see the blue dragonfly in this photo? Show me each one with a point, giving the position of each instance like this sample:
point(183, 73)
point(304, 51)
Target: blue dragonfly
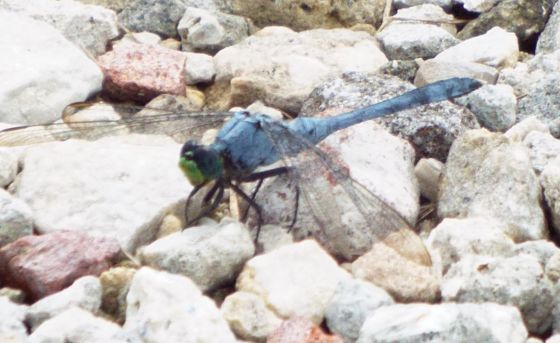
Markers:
point(249, 141)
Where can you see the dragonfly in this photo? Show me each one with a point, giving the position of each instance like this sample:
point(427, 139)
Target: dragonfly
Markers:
point(249, 142)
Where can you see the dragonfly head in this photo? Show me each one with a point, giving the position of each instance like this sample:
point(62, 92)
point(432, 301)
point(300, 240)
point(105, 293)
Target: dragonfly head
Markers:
point(200, 163)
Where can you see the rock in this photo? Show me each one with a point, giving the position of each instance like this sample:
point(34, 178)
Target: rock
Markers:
point(519, 131)
point(273, 237)
point(8, 167)
point(12, 324)
point(495, 48)
point(115, 5)
point(487, 175)
point(211, 256)
point(525, 18)
point(175, 310)
point(259, 107)
point(405, 280)
point(541, 102)
point(301, 330)
point(248, 316)
point(550, 179)
point(454, 239)
point(157, 16)
point(516, 280)
point(494, 106)
point(431, 129)
point(478, 6)
point(78, 325)
point(404, 70)
point(485, 322)
point(553, 339)
point(13, 294)
point(445, 4)
point(61, 73)
point(115, 283)
point(293, 280)
point(87, 26)
point(210, 32)
point(428, 172)
point(43, 265)
point(199, 68)
point(543, 148)
point(15, 218)
point(549, 39)
point(84, 293)
point(139, 38)
point(301, 16)
point(542, 250)
point(427, 12)
point(435, 70)
point(552, 268)
point(106, 187)
point(141, 72)
point(353, 301)
point(282, 67)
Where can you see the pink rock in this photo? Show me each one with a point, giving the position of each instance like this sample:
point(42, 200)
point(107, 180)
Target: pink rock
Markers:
point(46, 264)
point(141, 72)
point(300, 330)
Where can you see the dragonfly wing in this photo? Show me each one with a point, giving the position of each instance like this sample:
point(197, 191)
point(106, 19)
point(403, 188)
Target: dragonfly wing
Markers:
point(180, 126)
point(350, 218)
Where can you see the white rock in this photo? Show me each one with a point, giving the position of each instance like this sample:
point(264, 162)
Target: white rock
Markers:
point(43, 72)
point(77, 325)
point(12, 318)
point(542, 250)
point(403, 41)
point(139, 37)
point(15, 218)
point(163, 307)
point(199, 68)
point(8, 167)
point(496, 48)
point(517, 281)
point(353, 301)
point(89, 27)
point(543, 148)
point(109, 187)
point(444, 323)
point(435, 70)
point(445, 4)
point(519, 131)
point(479, 6)
point(553, 339)
point(552, 267)
point(84, 293)
point(428, 172)
point(294, 280)
point(488, 176)
point(540, 101)
point(426, 13)
point(455, 238)
point(549, 39)
point(494, 106)
point(282, 67)
point(248, 316)
point(550, 181)
point(211, 256)
point(259, 107)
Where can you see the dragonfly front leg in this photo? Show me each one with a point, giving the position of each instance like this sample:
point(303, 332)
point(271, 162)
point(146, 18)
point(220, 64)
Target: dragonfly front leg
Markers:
point(216, 192)
point(252, 204)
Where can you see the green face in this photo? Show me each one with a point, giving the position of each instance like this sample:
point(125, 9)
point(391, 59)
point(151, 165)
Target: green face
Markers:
point(191, 170)
point(200, 164)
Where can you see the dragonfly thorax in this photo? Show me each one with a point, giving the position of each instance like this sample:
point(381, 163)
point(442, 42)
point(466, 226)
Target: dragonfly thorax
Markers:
point(200, 163)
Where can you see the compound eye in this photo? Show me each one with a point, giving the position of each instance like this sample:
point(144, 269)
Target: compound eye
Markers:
point(189, 155)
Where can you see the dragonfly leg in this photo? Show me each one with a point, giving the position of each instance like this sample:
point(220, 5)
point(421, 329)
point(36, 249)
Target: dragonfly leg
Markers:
point(296, 208)
point(217, 190)
point(260, 176)
point(252, 204)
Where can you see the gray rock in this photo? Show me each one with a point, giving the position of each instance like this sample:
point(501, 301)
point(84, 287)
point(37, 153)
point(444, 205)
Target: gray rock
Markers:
point(8, 167)
point(84, 293)
point(550, 181)
point(541, 101)
point(12, 318)
point(108, 187)
point(157, 16)
point(517, 281)
point(549, 39)
point(77, 325)
point(199, 68)
point(211, 256)
point(431, 129)
point(425, 13)
point(282, 67)
point(485, 322)
point(175, 309)
point(248, 316)
point(428, 172)
point(293, 280)
point(210, 32)
point(543, 148)
point(454, 239)
point(353, 301)
point(89, 27)
point(487, 175)
point(495, 48)
point(434, 70)
point(51, 71)
point(494, 106)
point(15, 218)
point(445, 4)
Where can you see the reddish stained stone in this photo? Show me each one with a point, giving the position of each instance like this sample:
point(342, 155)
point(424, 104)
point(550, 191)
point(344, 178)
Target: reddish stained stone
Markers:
point(141, 72)
point(300, 330)
point(46, 264)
